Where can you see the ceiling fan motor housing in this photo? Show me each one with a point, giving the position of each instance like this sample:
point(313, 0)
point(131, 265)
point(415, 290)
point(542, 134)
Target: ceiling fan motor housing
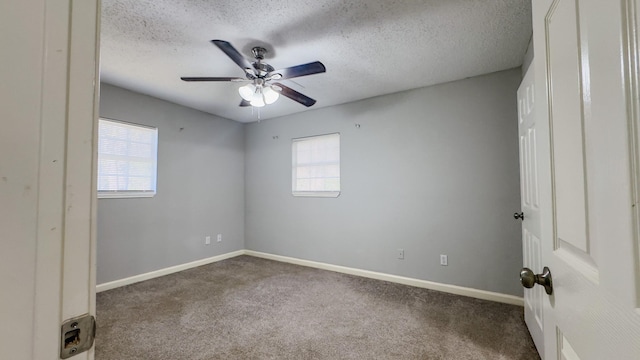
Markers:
point(262, 68)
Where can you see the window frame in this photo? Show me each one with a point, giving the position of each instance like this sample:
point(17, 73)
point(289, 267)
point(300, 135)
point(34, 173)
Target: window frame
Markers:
point(123, 194)
point(294, 166)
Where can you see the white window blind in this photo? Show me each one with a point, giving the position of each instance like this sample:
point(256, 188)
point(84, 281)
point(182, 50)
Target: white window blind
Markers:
point(316, 166)
point(127, 159)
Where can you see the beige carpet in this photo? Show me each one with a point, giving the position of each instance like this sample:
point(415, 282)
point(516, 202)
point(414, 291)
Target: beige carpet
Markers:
point(250, 308)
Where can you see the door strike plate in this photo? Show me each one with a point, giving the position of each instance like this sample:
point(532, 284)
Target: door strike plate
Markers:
point(77, 335)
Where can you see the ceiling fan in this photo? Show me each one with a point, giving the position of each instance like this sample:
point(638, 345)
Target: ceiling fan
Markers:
point(263, 88)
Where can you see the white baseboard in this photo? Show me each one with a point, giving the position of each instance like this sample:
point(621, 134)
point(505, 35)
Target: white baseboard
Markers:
point(166, 271)
point(452, 289)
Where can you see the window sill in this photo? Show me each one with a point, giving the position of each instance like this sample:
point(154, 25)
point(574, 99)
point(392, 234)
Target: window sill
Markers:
point(125, 195)
point(324, 194)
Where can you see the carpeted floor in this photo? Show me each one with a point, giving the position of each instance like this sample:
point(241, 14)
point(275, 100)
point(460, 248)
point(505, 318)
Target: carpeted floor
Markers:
point(251, 308)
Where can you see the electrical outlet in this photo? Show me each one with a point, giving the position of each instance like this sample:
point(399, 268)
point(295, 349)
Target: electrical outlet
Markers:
point(219, 237)
point(401, 254)
point(207, 240)
point(444, 261)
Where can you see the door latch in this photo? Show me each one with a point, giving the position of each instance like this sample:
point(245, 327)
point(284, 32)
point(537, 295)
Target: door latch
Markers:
point(77, 335)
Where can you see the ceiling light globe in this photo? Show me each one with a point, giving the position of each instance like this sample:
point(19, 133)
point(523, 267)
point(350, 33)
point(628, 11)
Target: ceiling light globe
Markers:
point(258, 99)
point(270, 95)
point(247, 91)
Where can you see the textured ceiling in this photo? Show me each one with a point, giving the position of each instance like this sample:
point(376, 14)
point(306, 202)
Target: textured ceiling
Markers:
point(369, 48)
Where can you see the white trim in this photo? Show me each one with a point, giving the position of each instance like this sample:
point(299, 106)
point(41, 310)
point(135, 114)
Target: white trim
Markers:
point(166, 271)
point(106, 194)
point(452, 289)
point(128, 123)
point(326, 194)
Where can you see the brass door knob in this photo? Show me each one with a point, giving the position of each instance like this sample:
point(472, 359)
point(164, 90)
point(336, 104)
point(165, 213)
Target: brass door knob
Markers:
point(529, 279)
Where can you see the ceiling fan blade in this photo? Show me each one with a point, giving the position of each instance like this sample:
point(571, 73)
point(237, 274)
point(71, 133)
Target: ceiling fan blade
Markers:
point(244, 103)
point(311, 68)
point(213, 79)
point(293, 95)
point(231, 52)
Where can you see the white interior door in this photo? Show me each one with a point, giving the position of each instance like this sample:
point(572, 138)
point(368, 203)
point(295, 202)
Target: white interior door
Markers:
point(586, 110)
point(530, 205)
point(48, 107)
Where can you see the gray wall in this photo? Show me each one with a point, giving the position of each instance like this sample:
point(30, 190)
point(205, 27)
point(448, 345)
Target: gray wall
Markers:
point(200, 190)
point(433, 171)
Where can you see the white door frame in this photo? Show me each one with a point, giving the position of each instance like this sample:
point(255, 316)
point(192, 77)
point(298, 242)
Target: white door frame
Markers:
point(49, 95)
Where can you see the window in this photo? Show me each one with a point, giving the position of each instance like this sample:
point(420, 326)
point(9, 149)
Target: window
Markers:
point(316, 166)
point(127, 159)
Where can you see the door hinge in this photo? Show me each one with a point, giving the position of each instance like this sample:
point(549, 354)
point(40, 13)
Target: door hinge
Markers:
point(77, 335)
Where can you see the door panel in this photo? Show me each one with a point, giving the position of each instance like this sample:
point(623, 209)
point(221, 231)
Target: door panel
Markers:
point(566, 116)
point(565, 350)
point(585, 159)
point(531, 245)
point(535, 262)
point(569, 101)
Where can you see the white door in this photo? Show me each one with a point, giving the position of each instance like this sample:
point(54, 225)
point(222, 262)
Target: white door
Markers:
point(587, 120)
point(530, 204)
point(48, 104)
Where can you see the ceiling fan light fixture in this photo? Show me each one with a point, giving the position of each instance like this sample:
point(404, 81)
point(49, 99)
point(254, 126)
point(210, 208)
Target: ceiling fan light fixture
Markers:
point(270, 95)
point(247, 91)
point(257, 100)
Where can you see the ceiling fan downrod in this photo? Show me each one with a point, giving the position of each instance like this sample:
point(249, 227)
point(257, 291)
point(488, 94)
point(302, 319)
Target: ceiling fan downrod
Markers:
point(258, 52)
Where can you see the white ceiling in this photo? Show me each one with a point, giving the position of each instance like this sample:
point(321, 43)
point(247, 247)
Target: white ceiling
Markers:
point(369, 48)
